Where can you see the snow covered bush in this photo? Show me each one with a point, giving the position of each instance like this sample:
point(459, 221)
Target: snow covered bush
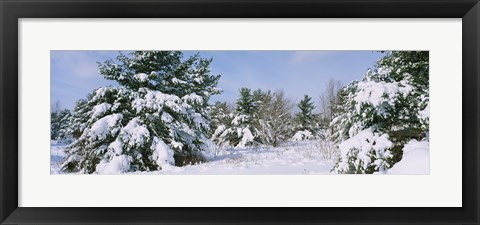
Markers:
point(390, 100)
point(156, 116)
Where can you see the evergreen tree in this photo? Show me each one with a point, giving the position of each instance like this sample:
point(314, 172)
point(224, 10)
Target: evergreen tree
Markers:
point(307, 122)
point(54, 120)
point(220, 120)
point(384, 111)
point(64, 121)
point(338, 127)
point(219, 115)
point(241, 132)
point(156, 117)
point(246, 104)
point(59, 122)
point(80, 116)
point(305, 117)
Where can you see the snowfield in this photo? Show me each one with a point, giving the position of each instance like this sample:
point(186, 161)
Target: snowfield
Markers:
point(307, 157)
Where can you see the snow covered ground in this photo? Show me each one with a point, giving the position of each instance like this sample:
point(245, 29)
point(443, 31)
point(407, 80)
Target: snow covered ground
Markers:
point(308, 157)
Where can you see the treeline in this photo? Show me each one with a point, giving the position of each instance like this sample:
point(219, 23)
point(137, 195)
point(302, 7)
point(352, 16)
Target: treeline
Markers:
point(266, 118)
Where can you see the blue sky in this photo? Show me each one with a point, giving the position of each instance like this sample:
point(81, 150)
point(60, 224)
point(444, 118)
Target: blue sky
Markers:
point(75, 73)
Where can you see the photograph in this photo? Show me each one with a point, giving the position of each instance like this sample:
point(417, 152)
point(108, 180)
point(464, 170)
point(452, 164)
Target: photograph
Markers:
point(239, 112)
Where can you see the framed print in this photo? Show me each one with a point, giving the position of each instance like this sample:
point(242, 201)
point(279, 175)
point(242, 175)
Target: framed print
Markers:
point(159, 112)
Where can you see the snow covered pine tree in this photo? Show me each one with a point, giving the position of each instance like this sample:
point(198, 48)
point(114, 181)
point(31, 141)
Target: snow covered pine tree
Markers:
point(60, 124)
point(220, 118)
point(156, 117)
point(383, 112)
point(307, 127)
point(240, 132)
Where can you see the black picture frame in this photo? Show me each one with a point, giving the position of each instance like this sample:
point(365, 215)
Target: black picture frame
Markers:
point(12, 10)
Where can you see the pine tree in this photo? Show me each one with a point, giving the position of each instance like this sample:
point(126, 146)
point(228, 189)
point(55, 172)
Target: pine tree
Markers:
point(220, 120)
point(54, 120)
point(59, 123)
point(307, 122)
point(219, 115)
point(79, 117)
point(246, 104)
point(241, 131)
point(64, 120)
point(338, 127)
point(384, 111)
point(305, 117)
point(156, 117)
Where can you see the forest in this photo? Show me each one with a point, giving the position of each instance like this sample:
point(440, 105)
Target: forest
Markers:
point(160, 119)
